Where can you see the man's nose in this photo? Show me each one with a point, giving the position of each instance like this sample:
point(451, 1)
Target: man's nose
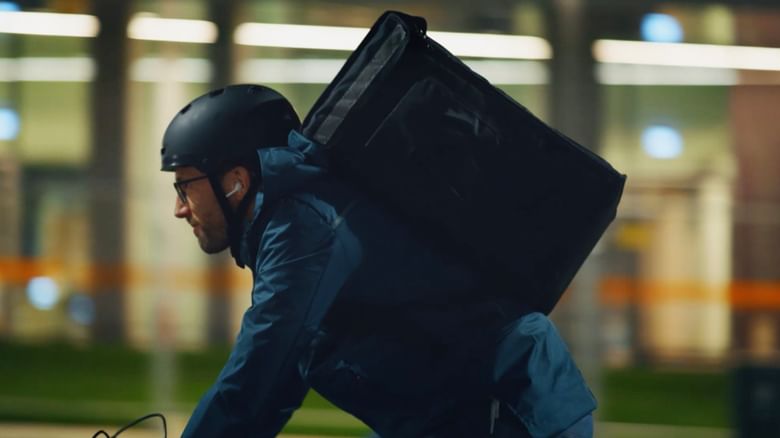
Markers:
point(182, 209)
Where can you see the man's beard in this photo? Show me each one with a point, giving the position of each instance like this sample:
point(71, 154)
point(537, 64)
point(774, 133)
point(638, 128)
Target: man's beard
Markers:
point(211, 243)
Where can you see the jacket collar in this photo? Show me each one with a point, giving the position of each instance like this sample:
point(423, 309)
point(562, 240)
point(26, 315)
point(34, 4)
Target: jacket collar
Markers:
point(284, 170)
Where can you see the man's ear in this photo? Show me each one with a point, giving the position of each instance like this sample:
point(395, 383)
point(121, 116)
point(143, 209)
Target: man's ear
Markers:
point(235, 183)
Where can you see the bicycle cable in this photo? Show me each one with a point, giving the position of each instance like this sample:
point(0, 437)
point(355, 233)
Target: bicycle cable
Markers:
point(133, 423)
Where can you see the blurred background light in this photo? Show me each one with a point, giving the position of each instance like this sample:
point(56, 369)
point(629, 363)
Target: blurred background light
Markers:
point(144, 26)
point(43, 293)
point(690, 55)
point(511, 72)
point(298, 36)
point(45, 69)
point(8, 7)
point(636, 74)
point(185, 70)
point(661, 28)
point(296, 71)
point(485, 45)
point(48, 23)
point(9, 124)
point(322, 71)
point(81, 309)
point(348, 38)
point(661, 141)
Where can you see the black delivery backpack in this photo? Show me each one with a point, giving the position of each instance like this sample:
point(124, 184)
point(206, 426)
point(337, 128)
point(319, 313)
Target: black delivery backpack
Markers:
point(473, 168)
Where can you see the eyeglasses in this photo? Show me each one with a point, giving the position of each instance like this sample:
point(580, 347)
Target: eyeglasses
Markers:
point(181, 186)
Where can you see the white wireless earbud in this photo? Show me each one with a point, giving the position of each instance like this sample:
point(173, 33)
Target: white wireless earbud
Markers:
point(238, 186)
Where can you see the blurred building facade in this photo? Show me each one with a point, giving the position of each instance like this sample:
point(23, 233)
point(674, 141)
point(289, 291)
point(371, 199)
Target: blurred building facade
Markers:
point(90, 250)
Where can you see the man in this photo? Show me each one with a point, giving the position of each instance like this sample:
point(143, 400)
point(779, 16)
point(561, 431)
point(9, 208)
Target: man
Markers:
point(351, 300)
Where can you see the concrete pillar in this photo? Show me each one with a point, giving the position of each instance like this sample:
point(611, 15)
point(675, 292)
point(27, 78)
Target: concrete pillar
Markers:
point(756, 242)
point(222, 55)
point(106, 168)
point(575, 110)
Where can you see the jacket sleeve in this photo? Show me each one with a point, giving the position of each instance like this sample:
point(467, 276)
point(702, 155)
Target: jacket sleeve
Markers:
point(300, 266)
point(536, 376)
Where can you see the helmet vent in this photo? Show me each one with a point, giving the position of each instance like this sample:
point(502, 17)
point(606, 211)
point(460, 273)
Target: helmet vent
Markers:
point(216, 93)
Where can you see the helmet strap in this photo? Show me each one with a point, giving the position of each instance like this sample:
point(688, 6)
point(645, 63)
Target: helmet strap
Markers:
point(233, 218)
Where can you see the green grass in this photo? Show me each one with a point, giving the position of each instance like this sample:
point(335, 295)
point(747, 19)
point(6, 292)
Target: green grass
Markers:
point(65, 372)
point(113, 385)
point(667, 397)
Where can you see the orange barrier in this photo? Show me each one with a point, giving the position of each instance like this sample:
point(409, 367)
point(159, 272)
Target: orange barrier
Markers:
point(613, 290)
point(754, 295)
point(99, 277)
point(740, 294)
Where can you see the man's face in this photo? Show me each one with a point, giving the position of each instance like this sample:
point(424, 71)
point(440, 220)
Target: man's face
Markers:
point(201, 211)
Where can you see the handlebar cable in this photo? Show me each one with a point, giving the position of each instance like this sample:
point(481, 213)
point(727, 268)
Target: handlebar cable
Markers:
point(133, 423)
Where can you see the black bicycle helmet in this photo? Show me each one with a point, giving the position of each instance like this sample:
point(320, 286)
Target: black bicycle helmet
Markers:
point(223, 128)
point(227, 125)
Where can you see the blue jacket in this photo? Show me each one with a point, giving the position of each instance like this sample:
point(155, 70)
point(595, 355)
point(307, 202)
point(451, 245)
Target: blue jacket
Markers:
point(351, 301)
